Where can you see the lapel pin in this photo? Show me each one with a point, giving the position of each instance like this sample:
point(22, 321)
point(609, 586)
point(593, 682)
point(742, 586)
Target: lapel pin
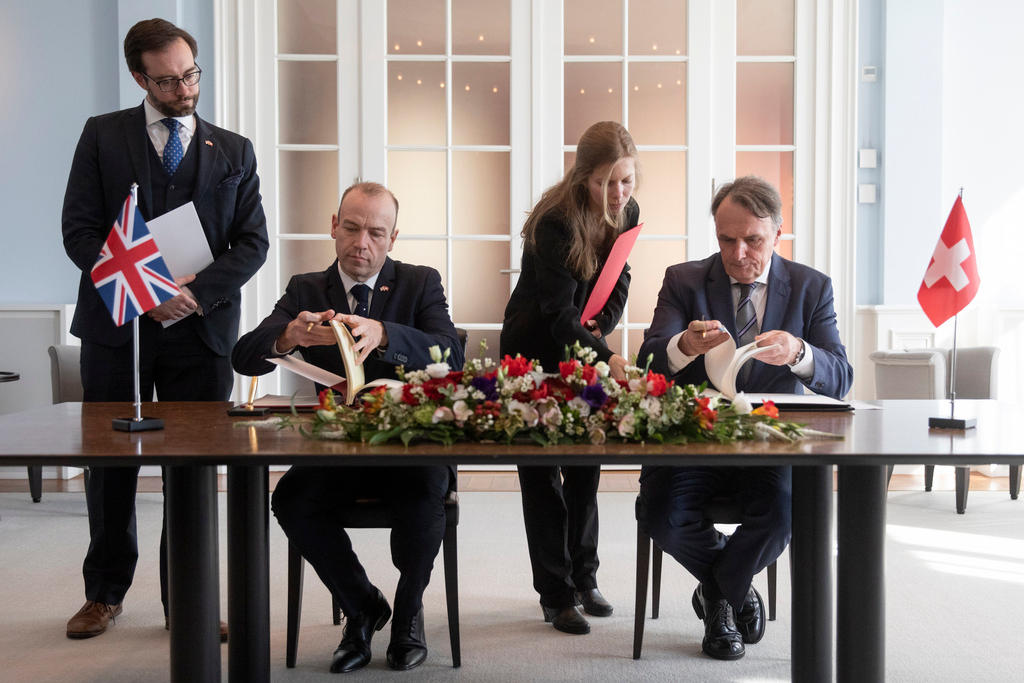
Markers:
point(384, 288)
point(208, 142)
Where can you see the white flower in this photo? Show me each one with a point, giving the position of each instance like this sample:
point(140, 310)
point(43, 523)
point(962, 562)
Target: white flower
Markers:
point(442, 414)
point(602, 369)
point(549, 412)
point(597, 436)
point(395, 393)
point(638, 385)
point(461, 392)
point(462, 410)
point(437, 370)
point(581, 406)
point(627, 424)
point(741, 404)
point(524, 410)
point(651, 406)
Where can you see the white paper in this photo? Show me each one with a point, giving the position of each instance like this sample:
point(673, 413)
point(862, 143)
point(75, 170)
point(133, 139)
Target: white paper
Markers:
point(179, 236)
point(723, 363)
point(308, 370)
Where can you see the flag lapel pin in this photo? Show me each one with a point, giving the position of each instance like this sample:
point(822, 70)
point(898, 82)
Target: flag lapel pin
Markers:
point(208, 142)
point(384, 288)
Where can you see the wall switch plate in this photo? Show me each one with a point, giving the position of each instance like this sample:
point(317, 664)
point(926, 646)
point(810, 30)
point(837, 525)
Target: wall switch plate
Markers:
point(869, 74)
point(867, 193)
point(868, 158)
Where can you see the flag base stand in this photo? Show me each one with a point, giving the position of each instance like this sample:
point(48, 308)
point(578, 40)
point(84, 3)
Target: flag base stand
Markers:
point(952, 423)
point(141, 424)
point(243, 409)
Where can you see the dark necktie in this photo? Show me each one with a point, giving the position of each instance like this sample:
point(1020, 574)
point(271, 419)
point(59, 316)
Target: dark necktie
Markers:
point(746, 329)
point(362, 296)
point(172, 150)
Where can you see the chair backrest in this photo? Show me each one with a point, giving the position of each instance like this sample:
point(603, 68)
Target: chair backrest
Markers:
point(65, 373)
point(976, 371)
point(913, 373)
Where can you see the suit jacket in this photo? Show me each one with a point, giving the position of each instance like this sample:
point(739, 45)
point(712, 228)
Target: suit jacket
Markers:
point(799, 301)
point(112, 153)
point(407, 299)
point(543, 313)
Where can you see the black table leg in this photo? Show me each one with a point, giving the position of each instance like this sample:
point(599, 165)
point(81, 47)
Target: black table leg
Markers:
point(860, 623)
point(248, 575)
point(811, 558)
point(193, 577)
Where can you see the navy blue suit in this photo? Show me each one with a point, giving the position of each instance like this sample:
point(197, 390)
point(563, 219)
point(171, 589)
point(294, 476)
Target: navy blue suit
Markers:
point(310, 502)
point(186, 361)
point(672, 499)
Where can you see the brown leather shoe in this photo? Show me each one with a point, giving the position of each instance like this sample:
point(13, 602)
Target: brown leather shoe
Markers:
point(92, 619)
point(223, 629)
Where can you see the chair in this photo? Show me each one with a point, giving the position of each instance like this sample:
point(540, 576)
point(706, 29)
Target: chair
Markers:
point(722, 510)
point(66, 385)
point(375, 514)
point(923, 374)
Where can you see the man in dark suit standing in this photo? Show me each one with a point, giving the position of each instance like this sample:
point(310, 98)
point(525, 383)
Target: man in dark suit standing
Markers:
point(396, 312)
point(754, 294)
point(176, 158)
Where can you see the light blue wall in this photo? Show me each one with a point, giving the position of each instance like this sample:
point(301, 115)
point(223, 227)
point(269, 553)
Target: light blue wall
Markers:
point(871, 135)
point(63, 62)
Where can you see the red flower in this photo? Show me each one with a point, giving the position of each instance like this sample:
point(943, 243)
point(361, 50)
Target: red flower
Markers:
point(558, 389)
point(327, 400)
point(538, 394)
point(567, 368)
point(408, 397)
point(656, 384)
point(589, 374)
point(768, 409)
point(432, 386)
point(516, 367)
point(704, 414)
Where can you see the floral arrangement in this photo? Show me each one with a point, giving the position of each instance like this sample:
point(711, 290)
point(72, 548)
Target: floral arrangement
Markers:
point(514, 399)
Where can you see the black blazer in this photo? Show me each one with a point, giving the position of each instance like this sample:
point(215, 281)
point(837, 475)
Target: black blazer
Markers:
point(543, 314)
point(799, 302)
point(409, 300)
point(112, 153)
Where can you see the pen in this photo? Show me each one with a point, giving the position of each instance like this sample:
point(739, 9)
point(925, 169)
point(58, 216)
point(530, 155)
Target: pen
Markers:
point(704, 331)
point(252, 392)
point(309, 327)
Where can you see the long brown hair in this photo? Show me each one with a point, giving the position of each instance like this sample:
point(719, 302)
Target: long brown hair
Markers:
point(590, 233)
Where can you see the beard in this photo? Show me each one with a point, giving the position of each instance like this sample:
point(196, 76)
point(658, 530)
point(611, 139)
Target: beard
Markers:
point(183, 106)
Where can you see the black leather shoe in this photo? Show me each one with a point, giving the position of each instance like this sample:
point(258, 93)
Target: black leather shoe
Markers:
point(354, 650)
point(722, 640)
point(408, 648)
point(566, 620)
point(750, 617)
point(594, 603)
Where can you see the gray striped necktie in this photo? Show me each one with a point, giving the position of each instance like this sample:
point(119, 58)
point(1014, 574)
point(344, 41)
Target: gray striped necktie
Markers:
point(746, 329)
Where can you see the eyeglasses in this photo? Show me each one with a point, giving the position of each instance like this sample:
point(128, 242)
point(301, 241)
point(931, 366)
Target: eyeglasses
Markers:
point(171, 84)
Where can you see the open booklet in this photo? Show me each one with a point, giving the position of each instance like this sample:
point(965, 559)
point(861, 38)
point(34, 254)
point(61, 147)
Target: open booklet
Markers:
point(723, 364)
point(355, 379)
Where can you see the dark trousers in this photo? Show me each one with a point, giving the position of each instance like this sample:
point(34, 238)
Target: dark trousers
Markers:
point(560, 511)
point(672, 502)
point(179, 365)
point(310, 505)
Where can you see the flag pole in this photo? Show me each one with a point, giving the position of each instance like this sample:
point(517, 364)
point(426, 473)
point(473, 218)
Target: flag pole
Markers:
point(136, 423)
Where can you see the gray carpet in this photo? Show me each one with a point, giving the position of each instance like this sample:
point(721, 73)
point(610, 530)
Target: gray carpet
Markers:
point(955, 587)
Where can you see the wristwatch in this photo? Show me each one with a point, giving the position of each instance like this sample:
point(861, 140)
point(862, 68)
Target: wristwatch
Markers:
point(799, 355)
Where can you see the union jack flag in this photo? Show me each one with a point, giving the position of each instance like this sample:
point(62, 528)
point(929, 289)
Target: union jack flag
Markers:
point(130, 274)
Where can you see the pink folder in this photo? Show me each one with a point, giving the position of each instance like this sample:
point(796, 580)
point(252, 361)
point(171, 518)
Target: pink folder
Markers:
point(610, 273)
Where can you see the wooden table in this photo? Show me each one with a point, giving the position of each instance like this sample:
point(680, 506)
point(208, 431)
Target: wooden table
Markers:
point(200, 436)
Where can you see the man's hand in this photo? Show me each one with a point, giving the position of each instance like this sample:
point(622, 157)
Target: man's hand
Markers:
point(617, 366)
point(178, 306)
point(369, 334)
point(593, 328)
point(306, 330)
point(785, 353)
point(700, 336)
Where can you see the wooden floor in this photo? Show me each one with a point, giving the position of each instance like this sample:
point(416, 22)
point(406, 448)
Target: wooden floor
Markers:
point(620, 480)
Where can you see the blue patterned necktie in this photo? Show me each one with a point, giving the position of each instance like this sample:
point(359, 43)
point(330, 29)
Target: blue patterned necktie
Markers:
point(362, 295)
point(746, 329)
point(172, 150)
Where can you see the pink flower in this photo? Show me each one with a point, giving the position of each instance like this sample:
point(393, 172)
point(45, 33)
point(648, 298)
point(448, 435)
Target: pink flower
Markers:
point(442, 414)
point(627, 424)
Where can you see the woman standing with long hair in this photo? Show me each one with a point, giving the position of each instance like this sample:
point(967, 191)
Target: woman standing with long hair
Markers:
point(567, 239)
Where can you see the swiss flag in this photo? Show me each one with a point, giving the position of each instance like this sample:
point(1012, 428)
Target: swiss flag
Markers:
point(952, 278)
